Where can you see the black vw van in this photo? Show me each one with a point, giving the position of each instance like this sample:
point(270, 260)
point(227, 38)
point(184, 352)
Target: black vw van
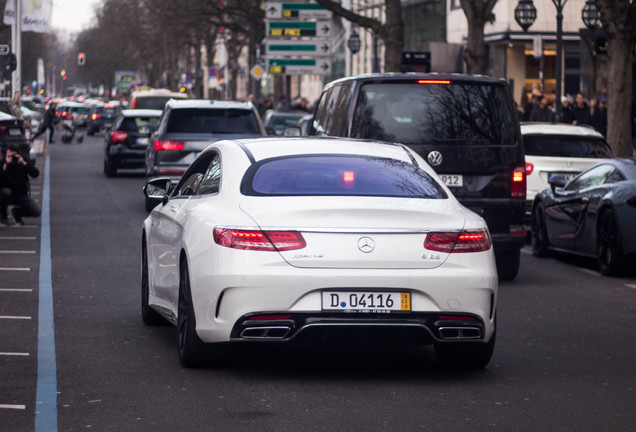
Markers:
point(465, 126)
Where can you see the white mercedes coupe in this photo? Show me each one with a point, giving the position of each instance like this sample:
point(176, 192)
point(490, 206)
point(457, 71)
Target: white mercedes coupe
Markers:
point(317, 239)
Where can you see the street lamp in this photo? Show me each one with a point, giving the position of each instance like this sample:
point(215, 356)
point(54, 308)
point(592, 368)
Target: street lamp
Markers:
point(525, 14)
point(591, 16)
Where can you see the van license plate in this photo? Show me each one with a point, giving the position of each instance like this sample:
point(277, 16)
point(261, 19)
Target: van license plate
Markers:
point(452, 180)
point(366, 301)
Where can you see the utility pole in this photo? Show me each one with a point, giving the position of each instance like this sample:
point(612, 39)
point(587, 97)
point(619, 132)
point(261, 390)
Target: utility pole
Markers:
point(16, 47)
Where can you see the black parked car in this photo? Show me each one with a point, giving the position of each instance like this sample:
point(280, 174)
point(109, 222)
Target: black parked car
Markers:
point(126, 142)
point(12, 132)
point(101, 117)
point(464, 126)
point(189, 126)
point(592, 214)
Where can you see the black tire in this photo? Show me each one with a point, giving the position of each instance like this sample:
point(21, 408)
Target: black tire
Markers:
point(508, 263)
point(465, 355)
point(539, 234)
point(109, 168)
point(191, 349)
point(609, 253)
point(149, 316)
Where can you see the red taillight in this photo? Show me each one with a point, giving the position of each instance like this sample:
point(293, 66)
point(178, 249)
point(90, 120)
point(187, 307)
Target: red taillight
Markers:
point(95, 116)
point(118, 136)
point(3, 130)
point(518, 186)
point(168, 145)
point(64, 113)
point(529, 168)
point(434, 82)
point(454, 242)
point(259, 240)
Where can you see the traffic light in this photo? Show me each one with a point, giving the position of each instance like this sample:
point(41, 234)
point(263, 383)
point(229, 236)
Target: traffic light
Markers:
point(63, 74)
point(10, 64)
point(81, 59)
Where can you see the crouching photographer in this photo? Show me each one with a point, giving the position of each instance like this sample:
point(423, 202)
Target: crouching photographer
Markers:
point(15, 187)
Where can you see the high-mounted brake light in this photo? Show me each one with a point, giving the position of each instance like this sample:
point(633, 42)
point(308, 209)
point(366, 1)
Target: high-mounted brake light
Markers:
point(259, 240)
point(445, 82)
point(109, 106)
point(458, 242)
point(518, 186)
point(169, 145)
point(118, 136)
point(349, 177)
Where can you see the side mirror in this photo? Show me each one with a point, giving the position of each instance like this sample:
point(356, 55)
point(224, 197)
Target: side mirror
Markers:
point(557, 181)
point(292, 131)
point(158, 188)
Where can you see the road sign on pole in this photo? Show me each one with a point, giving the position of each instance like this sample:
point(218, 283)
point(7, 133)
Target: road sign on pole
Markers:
point(314, 47)
point(316, 66)
point(307, 10)
point(298, 28)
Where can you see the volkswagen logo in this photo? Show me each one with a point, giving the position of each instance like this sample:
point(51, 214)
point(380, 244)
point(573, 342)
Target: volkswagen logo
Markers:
point(366, 244)
point(435, 158)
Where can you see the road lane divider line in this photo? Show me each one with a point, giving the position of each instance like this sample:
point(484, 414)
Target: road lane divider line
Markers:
point(15, 268)
point(46, 392)
point(14, 354)
point(588, 271)
point(7, 406)
point(16, 290)
point(15, 317)
point(632, 286)
point(18, 238)
point(17, 252)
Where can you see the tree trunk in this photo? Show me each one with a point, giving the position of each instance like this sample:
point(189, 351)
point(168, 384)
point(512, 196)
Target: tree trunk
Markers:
point(477, 13)
point(393, 36)
point(619, 22)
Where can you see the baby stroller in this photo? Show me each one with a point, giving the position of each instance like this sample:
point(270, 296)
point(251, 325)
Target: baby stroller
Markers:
point(69, 133)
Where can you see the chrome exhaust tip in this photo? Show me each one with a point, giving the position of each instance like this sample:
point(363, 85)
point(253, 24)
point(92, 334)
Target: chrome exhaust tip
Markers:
point(459, 333)
point(270, 332)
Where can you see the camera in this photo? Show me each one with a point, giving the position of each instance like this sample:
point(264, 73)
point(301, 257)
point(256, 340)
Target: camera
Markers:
point(15, 158)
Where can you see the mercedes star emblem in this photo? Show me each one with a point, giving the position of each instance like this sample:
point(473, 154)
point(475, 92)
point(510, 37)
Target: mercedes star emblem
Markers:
point(366, 244)
point(435, 158)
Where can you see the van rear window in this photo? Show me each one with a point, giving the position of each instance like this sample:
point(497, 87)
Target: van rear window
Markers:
point(566, 146)
point(340, 175)
point(449, 113)
point(212, 121)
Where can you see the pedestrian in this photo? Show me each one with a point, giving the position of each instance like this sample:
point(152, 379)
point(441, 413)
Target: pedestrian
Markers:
point(581, 111)
point(530, 107)
point(542, 113)
point(566, 111)
point(15, 108)
point(15, 187)
point(599, 118)
point(50, 118)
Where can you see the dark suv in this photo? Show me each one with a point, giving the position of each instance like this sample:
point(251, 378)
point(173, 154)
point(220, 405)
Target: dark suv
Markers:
point(465, 127)
point(187, 127)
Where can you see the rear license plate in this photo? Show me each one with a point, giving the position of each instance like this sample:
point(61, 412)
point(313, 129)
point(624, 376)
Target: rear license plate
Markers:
point(452, 180)
point(142, 141)
point(568, 176)
point(361, 301)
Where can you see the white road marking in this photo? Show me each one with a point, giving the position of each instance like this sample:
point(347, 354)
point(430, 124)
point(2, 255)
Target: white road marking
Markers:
point(6, 406)
point(16, 290)
point(15, 268)
point(15, 317)
point(14, 354)
point(632, 286)
point(17, 252)
point(588, 271)
point(17, 238)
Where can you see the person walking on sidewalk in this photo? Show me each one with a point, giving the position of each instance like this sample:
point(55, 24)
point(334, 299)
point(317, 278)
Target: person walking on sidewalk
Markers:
point(48, 122)
point(15, 187)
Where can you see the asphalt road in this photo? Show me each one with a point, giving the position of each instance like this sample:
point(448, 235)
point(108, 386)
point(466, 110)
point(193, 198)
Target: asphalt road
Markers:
point(565, 358)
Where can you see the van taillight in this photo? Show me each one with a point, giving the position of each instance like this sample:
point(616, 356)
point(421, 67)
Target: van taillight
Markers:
point(458, 242)
point(259, 240)
point(529, 168)
point(518, 185)
point(168, 145)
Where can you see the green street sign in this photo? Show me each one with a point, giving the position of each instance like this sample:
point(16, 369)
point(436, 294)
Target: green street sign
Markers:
point(298, 28)
point(317, 47)
point(305, 66)
point(309, 10)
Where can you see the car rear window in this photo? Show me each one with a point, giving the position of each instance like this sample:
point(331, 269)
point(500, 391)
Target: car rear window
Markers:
point(340, 175)
point(139, 125)
point(212, 121)
point(110, 110)
point(417, 113)
point(566, 146)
